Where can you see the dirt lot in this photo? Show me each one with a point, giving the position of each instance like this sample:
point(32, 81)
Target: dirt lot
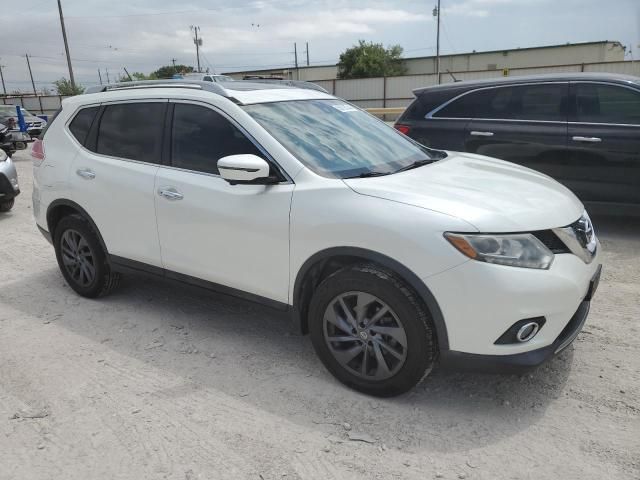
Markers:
point(161, 380)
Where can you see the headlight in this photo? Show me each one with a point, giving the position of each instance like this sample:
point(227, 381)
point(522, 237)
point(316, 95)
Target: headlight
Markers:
point(3, 155)
point(516, 250)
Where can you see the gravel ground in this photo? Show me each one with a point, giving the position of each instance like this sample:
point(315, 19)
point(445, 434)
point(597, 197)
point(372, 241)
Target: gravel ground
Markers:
point(161, 380)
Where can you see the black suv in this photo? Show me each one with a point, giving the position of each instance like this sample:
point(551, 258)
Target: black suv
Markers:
point(581, 129)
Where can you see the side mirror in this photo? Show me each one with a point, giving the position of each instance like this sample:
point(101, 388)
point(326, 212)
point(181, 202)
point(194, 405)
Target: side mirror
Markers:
point(245, 169)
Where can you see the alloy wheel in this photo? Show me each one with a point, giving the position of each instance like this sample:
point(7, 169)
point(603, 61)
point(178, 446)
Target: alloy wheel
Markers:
point(365, 336)
point(77, 258)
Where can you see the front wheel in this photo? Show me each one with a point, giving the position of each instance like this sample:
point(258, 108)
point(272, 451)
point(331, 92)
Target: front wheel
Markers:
point(371, 331)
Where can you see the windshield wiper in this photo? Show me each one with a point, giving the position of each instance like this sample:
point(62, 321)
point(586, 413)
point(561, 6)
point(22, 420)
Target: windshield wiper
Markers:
point(370, 174)
point(416, 164)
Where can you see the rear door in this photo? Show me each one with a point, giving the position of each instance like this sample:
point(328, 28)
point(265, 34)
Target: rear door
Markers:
point(524, 124)
point(113, 176)
point(604, 141)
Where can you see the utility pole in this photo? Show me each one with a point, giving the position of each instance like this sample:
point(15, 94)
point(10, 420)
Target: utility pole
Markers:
point(33, 84)
point(173, 61)
point(66, 46)
point(4, 88)
point(198, 42)
point(107, 71)
point(307, 54)
point(100, 76)
point(436, 13)
point(295, 53)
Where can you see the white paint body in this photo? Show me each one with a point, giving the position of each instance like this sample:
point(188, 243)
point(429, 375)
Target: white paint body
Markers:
point(256, 238)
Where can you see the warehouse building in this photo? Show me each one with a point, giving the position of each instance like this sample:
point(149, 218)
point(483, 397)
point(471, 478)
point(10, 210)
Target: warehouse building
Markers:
point(547, 56)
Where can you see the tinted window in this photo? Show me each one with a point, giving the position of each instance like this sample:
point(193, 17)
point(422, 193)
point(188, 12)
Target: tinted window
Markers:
point(425, 102)
point(464, 107)
point(607, 104)
point(526, 102)
point(202, 136)
point(133, 131)
point(81, 124)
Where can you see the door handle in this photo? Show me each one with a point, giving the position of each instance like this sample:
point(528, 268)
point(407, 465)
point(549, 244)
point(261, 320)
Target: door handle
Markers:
point(587, 139)
point(170, 193)
point(481, 134)
point(86, 173)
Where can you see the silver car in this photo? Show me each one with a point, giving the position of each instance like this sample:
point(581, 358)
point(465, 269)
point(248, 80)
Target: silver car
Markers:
point(9, 187)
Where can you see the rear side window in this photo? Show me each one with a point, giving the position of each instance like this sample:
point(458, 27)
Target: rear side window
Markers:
point(526, 102)
point(427, 101)
point(606, 104)
point(81, 123)
point(464, 107)
point(132, 131)
point(202, 136)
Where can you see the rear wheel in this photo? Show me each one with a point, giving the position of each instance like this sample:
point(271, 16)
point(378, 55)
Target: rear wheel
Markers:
point(371, 331)
point(81, 258)
point(6, 206)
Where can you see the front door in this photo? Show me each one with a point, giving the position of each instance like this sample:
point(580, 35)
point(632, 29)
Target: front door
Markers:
point(235, 236)
point(604, 141)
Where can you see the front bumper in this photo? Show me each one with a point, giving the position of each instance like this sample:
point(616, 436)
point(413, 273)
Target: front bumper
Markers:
point(481, 301)
point(518, 362)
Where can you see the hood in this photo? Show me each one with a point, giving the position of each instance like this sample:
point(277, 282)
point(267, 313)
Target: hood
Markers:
point(493, 195)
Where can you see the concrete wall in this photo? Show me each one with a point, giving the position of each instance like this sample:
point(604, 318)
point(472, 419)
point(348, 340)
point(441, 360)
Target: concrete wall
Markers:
point(497, 60)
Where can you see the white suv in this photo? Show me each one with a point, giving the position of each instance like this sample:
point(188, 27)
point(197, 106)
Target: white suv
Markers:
point(388, 253)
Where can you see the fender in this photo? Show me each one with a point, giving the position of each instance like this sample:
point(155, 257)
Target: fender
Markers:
point(405, 273)
point(73, 205)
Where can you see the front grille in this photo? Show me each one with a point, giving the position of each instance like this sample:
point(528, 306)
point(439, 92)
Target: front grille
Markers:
point(551, 241)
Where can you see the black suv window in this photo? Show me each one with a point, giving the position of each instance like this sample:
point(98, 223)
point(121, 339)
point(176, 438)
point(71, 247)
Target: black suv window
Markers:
point(202, 136)
point(132, 130)
point(597, 103)
point(81, 124)
point(522, 102)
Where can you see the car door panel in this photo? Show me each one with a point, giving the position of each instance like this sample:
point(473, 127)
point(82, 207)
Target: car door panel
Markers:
point(118, 192)
point(231, 235)
point(541, 146)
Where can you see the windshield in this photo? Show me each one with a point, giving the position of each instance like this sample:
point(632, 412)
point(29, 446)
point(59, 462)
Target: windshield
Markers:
point(336, 139)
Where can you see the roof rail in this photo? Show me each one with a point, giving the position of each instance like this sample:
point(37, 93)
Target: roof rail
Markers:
point(291, 83)
point(169, 83)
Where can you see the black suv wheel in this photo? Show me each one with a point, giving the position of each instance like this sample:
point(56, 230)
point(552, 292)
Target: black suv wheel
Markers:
point(81, 258)
point(371, 332)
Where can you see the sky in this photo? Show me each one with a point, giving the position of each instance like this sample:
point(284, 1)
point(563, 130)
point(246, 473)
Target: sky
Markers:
point(142, 35)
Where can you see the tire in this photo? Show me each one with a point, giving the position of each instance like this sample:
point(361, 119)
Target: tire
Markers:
point(85, 268)
point(405, 319)
point(6, 206)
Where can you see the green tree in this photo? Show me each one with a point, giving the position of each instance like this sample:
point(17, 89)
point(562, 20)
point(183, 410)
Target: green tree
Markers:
point(368, 59)
point(64, 87)
point(169, 71)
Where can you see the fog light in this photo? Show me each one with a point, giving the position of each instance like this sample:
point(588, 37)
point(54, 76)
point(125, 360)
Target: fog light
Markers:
point(522, 331)
point(527, 331)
